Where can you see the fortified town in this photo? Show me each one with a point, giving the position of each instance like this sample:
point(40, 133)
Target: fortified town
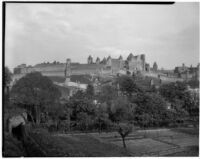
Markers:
point(77, 76)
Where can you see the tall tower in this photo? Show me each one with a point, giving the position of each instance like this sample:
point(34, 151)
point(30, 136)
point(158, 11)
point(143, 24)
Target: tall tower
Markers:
point(68, 70)
point(155, 66)
point(98, 60)
point(143, 61)
point(90, 60)
point(121, 62)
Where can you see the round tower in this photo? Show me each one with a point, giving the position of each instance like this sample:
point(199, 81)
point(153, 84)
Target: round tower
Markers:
point(68, 69)
point(143, 61)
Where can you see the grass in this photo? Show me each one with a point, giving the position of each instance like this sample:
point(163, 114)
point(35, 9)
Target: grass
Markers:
point(77, 146)
point(192, 151)
point(190, 131)
point(57, 79)
point(12, 147)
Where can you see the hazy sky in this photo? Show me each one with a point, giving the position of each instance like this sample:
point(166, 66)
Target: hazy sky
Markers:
point(168, 34)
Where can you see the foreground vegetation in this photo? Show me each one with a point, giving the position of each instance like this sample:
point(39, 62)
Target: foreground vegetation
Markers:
point(44, 144)
point(120, 105)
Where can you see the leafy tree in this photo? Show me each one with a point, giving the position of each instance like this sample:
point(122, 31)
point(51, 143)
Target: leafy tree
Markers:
point(107, 93)
point(102, 116)
point(78, 95)
point(82, 109)
point(124, 129)
point(144, 119)
point(35, 92)
point(90, 91)
point(193, 83)
point(173, 91)
point(7, 76)
point(191, 104)
point(56, 111)
point(6, 81)
point(127, 85)
point(81, 105)
point(122, 110)
point(181, 99)
point(82, 112)
point(84, 120)
point(150, 110)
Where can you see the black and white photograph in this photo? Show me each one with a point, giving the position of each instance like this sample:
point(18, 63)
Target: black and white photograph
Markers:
point(100, 79)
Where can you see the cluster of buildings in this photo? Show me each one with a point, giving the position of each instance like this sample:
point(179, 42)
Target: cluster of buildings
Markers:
point(111, 66)
point(107, 67)
point(187, 72)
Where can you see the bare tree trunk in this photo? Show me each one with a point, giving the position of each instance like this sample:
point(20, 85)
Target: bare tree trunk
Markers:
point(99, 126)
point(124, 144)
point(37, 115)
point(69, 121)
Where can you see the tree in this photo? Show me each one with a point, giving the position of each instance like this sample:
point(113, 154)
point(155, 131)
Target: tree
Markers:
point(122, 110)
point(78, 95)
point(127, 85)
point(150, 110)
point(90, 91)
point(56, 112)
point(84, 120)
point(7, 76)
point(6, 81)
point(193, 83)
point(83, 112)
point(81, 106)
point(181, 99)
point(173, 91)
point(107, 93)
point(191, 104)
point(124, 129)
point(102, 116)
point(54, 62)
point(35, 92)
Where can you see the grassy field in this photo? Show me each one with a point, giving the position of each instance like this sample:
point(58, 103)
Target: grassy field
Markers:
point(191, 151)
point(190, 131)
point(12, 147)
point(140, 143)
point(77, 146)
point(157, 142)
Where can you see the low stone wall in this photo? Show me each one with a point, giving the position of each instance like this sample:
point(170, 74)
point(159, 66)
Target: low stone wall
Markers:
point(163, 77)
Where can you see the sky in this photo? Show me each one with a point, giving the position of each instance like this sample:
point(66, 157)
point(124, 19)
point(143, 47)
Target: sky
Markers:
point(167, 34)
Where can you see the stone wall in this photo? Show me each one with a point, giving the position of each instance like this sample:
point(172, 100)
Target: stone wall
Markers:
point(113, 66)
point(163, 77)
